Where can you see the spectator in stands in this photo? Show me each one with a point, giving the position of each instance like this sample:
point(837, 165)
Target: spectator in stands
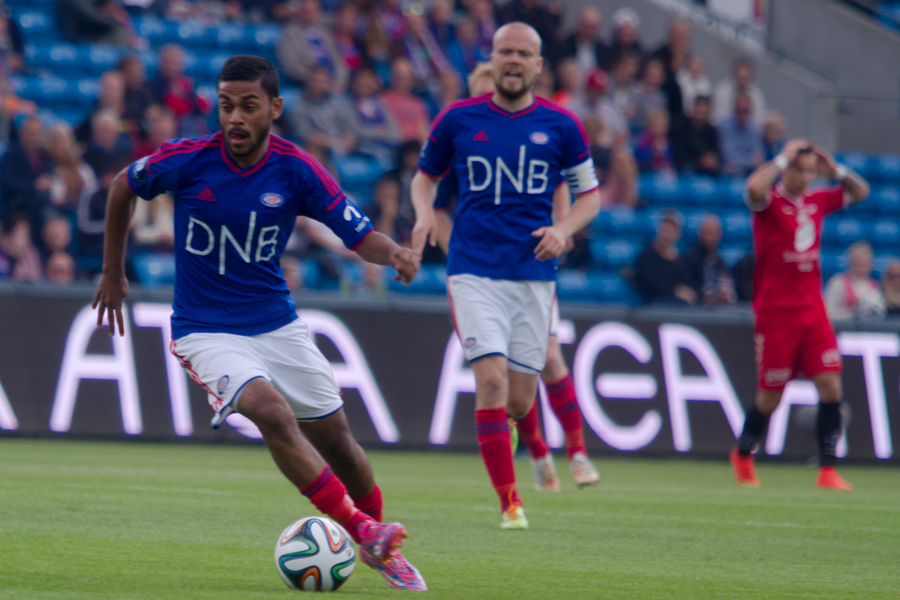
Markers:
point(19, 259)
point(10, 42)
point(26, 173)
point(322, 118)
point(693, 83)
point(739, 139)
point(696, 142)
point(740, 84)
point(890, 287)
point(305, 44)
point(855, 293)
point(72, 176)
point(773, 133)
point(376, 133)
point(622, 89)
point(108, 144)
point(659, 275)
point(648, 94)
point(595, 103)
point(60, 269)
point(138, 96)
point(11, 108)
point(465, 53)
point(544, 85)
point(407, 110)
point(674, 55)
point(56, 235)
point(174, 90)
point(110, 96)
point(449, 89)
point(344, 35)
point(96, 21)
point(425, 54)
point(626, 24)
point(584, 43)
point(161, 126)
point(91, 219)
point(570, 80)
point(545, 19)
point(704, 270)
point(390, 18)
point(653, 150)
point(743, 277)
point(386, 207)
point(482, 14)
point(407, 166)
point(153, 224)
point(440, 22)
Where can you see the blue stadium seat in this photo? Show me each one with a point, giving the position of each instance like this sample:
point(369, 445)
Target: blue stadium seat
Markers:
point(736, 226)
point(266, 36)
point(231, 35)
point(699, 190)
point(356, 171)
point(194, 34)
point(854, 160)
point(833, 262)
point(594, 287)
point(732, 190)
point(692, 221)
point(614, 253)
point(431, 279)
point(732, 254)
point(59, 57)
point(37, 24)
point(886, 233)
point(97, 58)
point(844, 231)
point(659, 189)
point(885, 199)
point(885, 167)
point(154, 270)
point(291, 96)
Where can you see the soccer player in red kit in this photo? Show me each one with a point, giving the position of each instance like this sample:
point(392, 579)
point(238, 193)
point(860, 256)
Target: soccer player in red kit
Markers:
point(793, 335)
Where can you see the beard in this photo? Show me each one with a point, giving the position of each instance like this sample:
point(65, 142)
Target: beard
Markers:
point(263, 136)
point(512, 95)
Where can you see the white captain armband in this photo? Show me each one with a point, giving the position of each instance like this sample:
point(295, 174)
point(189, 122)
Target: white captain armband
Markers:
point(582, 178)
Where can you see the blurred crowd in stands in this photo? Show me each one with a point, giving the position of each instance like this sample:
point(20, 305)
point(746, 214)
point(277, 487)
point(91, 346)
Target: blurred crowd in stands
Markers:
point(372, 75)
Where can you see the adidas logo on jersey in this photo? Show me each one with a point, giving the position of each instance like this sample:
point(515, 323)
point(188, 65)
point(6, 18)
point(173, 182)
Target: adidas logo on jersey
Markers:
point(206, 195)
point(481, 136)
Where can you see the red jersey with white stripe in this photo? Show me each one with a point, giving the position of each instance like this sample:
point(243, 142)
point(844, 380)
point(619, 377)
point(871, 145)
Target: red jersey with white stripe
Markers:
point(787, 235)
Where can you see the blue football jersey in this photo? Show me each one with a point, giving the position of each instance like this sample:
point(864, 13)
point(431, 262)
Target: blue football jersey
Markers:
point(231, 226)
point(507, 166)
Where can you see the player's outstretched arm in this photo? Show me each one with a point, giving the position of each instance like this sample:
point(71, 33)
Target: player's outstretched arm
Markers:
point(379, 249)
point(854, 185)
point(423, 191)
point(760, 182)
point(113, 286)
point(553, 238)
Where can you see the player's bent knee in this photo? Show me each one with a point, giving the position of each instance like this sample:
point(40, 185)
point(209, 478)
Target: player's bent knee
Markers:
point(263, 405)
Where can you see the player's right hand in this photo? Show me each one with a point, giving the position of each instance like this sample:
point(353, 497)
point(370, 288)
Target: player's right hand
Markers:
point(111, 291)
point(424, 231)
point(792, 147)
point(407, 263)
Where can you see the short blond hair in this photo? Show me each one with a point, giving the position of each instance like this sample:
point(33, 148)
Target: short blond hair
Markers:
point(481, 71)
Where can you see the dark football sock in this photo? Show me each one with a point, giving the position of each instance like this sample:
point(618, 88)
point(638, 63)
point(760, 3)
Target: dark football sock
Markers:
point(828, 428)
point(754, 426)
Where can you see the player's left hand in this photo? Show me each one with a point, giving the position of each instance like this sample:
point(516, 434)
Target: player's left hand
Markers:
point(407, 263)
point(825, 163)
point(552, 244)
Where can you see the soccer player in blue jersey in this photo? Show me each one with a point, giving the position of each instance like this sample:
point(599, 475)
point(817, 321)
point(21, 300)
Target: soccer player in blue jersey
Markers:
point(560, 389)
point(509, 150)
point(235, 327)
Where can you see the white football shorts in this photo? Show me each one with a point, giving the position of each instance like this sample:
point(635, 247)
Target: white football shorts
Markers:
point(554, 317)
point(224, 363)
point(497, 316)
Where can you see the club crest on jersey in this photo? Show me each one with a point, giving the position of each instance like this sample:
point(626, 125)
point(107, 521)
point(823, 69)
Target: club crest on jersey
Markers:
point(470, 342)
point(539, 137)
point(271, 199)
point(223, 383)
point(139, 170)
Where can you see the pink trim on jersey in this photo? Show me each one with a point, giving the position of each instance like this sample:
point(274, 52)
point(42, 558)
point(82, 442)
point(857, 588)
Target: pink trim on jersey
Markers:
point(184, 147)
point(556, 108)
point(514, 115)
point(335, 203)
point(459, 104)
point(262, 161)
point(432, 175)
point(585, 153)
point(359, 243)
point(228, 160)
point(285, 148)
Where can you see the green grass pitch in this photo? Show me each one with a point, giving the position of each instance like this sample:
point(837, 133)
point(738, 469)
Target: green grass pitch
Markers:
point(92, 521)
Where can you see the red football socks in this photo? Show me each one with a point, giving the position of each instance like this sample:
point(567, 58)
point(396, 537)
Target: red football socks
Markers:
point(565, 406)
point(329, 495)
point(492, 429)
point(371, 504)
point(530, 432)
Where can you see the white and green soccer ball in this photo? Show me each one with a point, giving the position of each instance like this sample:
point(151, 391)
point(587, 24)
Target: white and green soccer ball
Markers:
point(315, 554)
